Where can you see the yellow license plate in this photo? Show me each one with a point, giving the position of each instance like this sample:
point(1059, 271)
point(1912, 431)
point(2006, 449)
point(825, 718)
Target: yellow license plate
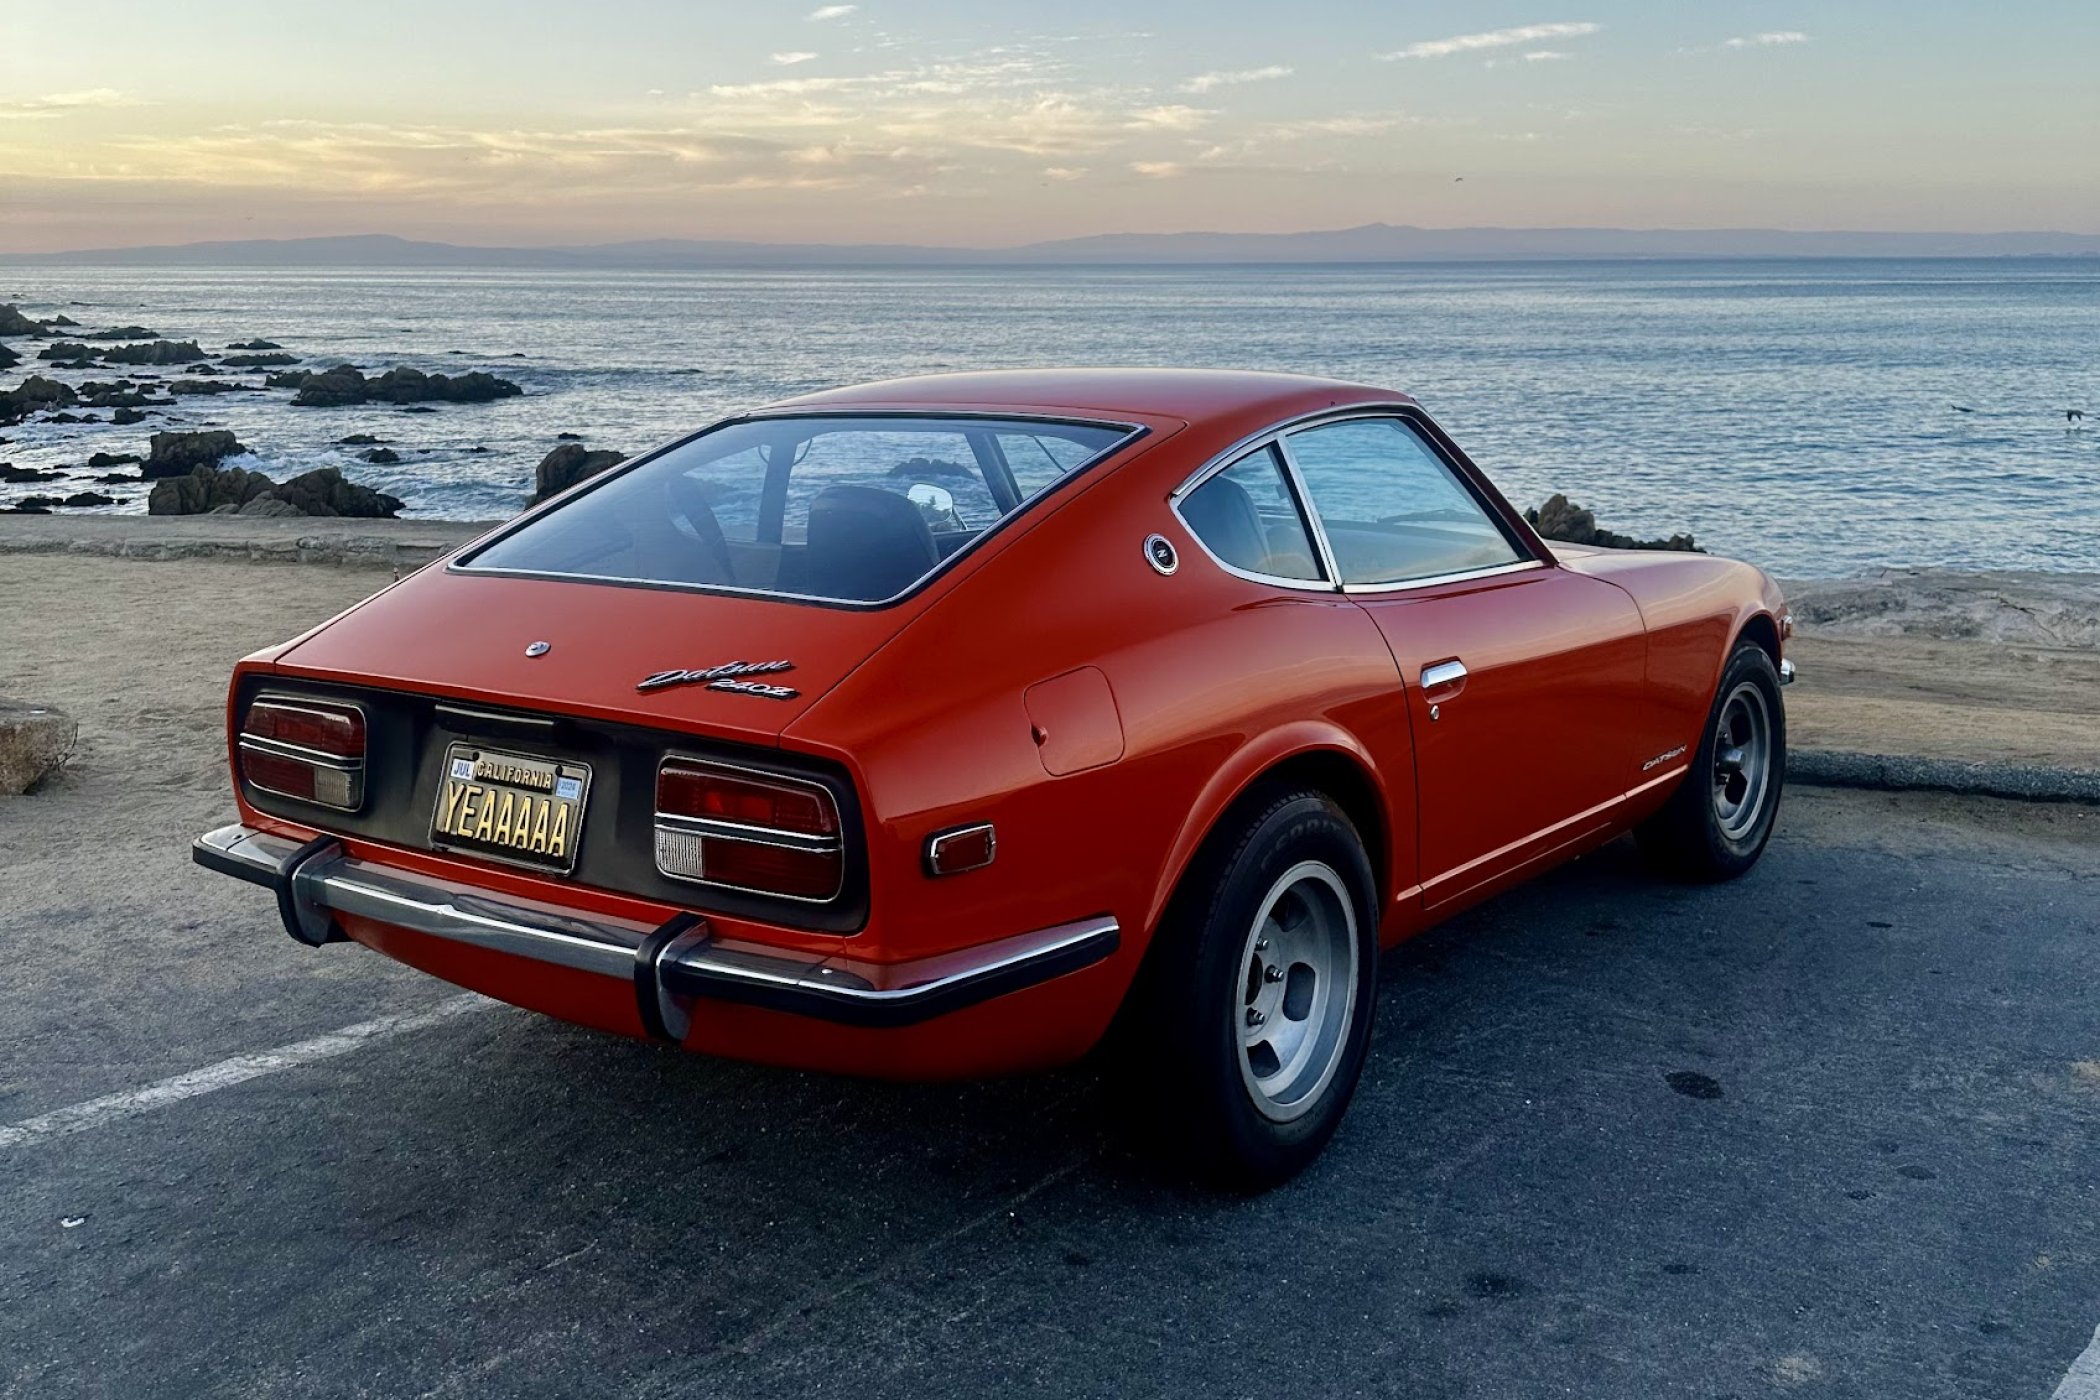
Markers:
point(511, 806)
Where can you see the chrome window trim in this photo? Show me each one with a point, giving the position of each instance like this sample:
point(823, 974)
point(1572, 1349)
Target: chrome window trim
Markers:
point(1132, 433)
point(1519, 566)
point(1278, 434)
point(1215, 467)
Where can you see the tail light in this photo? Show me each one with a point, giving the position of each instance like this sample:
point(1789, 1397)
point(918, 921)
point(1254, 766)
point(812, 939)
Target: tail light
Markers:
point(718, 825)
point(309, 750)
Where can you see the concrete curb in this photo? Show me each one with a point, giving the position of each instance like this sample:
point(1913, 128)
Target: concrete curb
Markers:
point(1894, 773)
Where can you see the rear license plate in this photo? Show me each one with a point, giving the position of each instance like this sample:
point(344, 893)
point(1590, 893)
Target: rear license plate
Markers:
point(511, 806)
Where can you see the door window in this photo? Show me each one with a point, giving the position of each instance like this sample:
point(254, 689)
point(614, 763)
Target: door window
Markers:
point(1393, 510)
point(1247, 516)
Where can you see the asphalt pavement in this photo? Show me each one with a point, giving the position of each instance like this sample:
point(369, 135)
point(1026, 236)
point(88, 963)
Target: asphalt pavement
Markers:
point(1826, 1131)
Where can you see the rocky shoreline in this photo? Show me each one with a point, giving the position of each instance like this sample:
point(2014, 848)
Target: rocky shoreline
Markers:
point(185, 472)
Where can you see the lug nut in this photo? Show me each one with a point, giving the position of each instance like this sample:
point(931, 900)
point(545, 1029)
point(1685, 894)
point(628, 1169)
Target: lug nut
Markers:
point(1272, 974)
point(1255, 1018)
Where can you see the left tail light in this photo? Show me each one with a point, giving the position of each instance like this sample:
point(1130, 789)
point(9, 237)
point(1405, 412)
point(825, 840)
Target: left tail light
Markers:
point(720, 825)
point(308, 750)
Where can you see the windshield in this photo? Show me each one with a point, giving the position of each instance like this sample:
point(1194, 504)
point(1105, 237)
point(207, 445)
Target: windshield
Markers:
point(846, 509)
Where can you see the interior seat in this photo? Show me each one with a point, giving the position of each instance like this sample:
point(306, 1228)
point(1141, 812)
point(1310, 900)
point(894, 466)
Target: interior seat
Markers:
point(1222, 515)
point(865, 543)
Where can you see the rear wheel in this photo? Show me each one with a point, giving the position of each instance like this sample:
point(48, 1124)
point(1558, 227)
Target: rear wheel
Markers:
point(1716, 824)
point(1252, 1020)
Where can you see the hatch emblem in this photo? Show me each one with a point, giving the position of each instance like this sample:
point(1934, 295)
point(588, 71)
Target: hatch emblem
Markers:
point(539, 648)
point(727, 676)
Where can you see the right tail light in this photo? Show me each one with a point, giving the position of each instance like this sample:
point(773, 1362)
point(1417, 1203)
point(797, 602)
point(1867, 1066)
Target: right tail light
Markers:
point(746, 830)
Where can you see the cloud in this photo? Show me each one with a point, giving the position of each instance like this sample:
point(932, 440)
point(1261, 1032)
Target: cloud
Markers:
point(824, 12)
point(1157, 169)
point(1204, 82)
point(1494, 39)
point(57, 103)
point(1766, 40)
point(788, 60)
point(1544, 56)
point(1174, 118)
point(1063, 172)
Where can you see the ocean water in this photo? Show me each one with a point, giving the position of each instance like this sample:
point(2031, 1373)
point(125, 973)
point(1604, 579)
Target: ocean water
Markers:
point(1820, 418)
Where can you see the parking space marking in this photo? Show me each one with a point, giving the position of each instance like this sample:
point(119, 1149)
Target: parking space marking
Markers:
point(2082, 1381)
point(110, 1108)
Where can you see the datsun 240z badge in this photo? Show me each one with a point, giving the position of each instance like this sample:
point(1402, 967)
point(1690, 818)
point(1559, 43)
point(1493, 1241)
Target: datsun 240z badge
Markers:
point(727, 676)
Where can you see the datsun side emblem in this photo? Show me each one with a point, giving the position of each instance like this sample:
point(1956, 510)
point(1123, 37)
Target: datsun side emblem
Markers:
point(727, 676)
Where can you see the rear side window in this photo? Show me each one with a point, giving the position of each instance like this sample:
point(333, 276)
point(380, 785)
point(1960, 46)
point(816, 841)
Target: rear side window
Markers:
point(1393, 511)
point(847, 509)
point(1248, 517)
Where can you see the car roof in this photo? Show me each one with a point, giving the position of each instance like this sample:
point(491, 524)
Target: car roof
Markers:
point(1193, 395)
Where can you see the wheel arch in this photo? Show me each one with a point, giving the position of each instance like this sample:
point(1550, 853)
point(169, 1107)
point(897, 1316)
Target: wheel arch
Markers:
point(1323, 757)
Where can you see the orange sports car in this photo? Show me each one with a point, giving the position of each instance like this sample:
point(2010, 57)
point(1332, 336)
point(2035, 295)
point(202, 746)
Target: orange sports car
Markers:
point(937, 727)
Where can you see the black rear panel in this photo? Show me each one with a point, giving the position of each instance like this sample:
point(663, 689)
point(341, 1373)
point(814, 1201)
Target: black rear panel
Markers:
point(409, 733)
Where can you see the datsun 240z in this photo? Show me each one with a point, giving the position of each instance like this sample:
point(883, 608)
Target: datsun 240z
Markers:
point(939, 727)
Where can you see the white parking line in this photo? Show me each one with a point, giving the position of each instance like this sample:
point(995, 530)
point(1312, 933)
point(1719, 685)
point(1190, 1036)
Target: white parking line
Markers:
point(111, 1107)
point(2082, 1381)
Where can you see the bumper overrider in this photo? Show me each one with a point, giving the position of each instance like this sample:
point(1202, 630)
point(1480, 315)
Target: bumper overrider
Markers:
point(671, 965)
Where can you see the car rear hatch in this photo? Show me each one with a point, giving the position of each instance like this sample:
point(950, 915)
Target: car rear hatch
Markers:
point(480, 638)
point(449, 668)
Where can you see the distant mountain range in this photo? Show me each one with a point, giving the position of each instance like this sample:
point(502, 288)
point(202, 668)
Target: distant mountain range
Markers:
point(1371, 243)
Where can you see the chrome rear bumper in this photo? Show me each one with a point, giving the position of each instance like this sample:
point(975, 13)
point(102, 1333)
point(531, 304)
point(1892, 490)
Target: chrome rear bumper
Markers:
point(672, 964)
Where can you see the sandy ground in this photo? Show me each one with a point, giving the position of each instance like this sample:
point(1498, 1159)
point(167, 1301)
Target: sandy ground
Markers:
point(133, 628)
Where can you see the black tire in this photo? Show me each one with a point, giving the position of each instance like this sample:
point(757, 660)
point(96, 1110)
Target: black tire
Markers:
point(1198, 1090)
point(1705, 831)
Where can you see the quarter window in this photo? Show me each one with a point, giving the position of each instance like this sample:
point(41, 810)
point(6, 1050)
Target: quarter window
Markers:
point(1392, 509)
point(1248, 517)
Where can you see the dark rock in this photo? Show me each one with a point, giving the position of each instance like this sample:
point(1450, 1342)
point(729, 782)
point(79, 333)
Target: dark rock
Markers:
point(39, 502)
point(359, 440)
point(13, 322)
point(381, 456)
point(67, 418)
point(568, 437)
point(179, 454)
point(266, 505)
point(127, 415)
point(255, 345)
point(67, 350)
point(419, 408)
point(106, 460)
point(331, 388)
point(14, 476)
point(157, 352)
point(290, 379)
point(258, 361)
point(62, 321)
point(565, 466)
point(122, 394)
point(24, 510)
point(8, 358)
point(325, 492)
point(88, 498)
point(204, 490)
point(120, 479)
point(124, 333)
point(344, 384)
point(193, 387)
point(1561, 519)
point(35, 394)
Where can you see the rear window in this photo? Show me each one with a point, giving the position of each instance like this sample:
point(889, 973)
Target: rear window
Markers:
point(844, 509)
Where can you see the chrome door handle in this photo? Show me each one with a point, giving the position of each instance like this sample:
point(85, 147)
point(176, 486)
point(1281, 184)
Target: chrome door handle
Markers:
point(1444, 673)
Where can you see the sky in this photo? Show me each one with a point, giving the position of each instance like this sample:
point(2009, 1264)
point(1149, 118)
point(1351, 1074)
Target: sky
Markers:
point(525, 122)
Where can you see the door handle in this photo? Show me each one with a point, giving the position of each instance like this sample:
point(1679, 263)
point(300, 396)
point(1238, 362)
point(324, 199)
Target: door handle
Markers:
point(1444, 675)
